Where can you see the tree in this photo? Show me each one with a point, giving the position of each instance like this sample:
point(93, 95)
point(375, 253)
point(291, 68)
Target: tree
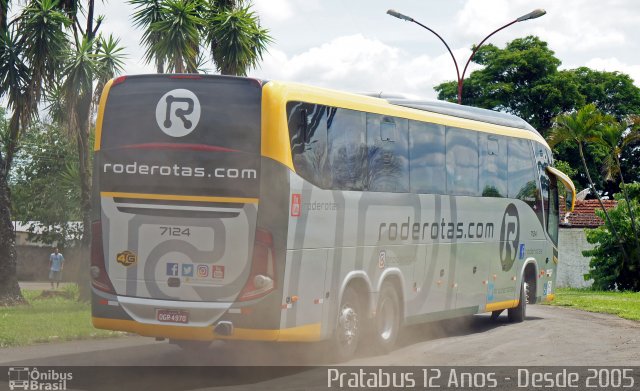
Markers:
point(175, 31)
point(179, 31)
point(614, 138)
point(610, 268)
point(44, 185)
point(30, 50)
point(523, 79)
point(235, 38)
point(578, 127)
point(93, 60)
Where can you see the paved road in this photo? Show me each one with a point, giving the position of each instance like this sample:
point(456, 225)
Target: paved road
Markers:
point(549, 336)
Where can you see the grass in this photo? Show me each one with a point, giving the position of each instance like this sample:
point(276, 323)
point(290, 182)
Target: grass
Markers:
point(48, 320)
point(624, 304)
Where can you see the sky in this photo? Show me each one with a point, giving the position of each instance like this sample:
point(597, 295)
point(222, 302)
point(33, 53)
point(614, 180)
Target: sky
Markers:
point(354, 45)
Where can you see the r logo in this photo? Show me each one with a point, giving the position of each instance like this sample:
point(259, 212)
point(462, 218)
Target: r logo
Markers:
point(178, 112)
point(509, 237)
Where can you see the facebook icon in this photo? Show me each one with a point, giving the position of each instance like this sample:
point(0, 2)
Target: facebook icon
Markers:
point(172, 269)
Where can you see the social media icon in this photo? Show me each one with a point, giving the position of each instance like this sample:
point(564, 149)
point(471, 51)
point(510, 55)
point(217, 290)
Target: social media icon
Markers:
point(203, 271)
point(172, 269)
point(187, 270)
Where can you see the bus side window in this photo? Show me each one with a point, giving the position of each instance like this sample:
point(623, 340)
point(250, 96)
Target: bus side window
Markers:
point(347, 149)
point(427, 158)
point(462, 162)
point(493, 165)
point(388, 154)
point(308, 137)
point(523, 184)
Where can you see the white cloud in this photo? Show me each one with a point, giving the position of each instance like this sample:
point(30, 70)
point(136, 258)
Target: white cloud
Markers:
point(361, 64)
point(273, 10)
point(569, 26)
point(612, 65)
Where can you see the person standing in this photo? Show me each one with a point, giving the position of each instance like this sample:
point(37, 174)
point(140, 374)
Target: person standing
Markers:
point(56, 264)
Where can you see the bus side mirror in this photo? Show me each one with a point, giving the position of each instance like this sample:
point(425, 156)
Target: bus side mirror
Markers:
point(569, 201)
point(570, 196)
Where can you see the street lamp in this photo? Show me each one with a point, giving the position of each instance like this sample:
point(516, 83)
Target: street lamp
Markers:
point(531, 15)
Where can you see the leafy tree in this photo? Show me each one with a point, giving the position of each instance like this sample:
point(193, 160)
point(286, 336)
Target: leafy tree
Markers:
point(609, 267)
point(523, 79)
point(44, 188)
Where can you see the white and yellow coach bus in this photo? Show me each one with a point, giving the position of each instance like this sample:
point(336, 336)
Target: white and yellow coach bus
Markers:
point(236, 208)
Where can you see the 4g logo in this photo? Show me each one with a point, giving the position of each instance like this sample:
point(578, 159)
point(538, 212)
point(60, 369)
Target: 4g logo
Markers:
point(126, 258)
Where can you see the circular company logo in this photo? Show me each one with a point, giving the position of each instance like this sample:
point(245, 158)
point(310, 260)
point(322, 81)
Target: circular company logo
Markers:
point(178, 112)
point(509, 237)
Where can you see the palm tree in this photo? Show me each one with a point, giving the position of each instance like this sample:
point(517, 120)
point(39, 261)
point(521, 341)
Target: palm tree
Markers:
point(614, 138)
point(236, 39)
point(43, 40)
point(147, 13)
point(176, 29)
point(179, 28)
point(30, 49)
point(93, 60)
point(578, 127)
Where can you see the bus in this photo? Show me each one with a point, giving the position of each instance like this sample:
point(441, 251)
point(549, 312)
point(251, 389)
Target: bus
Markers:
point(242, 209)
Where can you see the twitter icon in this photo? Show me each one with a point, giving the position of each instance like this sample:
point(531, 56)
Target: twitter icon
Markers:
point(187, 270)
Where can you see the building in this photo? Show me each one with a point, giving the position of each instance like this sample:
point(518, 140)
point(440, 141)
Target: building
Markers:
point(572, 264)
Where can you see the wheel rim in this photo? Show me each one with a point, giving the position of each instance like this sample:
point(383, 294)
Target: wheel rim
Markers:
point(348, 325)
point(386, 320)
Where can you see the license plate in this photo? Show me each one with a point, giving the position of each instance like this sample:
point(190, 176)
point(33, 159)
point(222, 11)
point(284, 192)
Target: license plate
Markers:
point(172, 316)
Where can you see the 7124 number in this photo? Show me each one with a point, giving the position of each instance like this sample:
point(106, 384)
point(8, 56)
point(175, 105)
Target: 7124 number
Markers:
point(174, 231)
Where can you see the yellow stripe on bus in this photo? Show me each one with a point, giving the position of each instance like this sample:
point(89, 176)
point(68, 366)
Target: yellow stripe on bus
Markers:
point(101, 106)
point(306, 333)
point(176, 197)
point(501, 305)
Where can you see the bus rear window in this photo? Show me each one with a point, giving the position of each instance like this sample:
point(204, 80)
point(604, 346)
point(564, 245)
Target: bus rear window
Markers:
point(156, 109)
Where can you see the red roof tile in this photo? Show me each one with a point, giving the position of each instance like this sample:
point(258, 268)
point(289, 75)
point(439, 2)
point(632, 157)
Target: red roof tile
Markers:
point(583, 215)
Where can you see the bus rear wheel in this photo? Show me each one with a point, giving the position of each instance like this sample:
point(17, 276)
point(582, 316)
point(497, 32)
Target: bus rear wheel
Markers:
point(517, 314)
point(386, 325)
point(348, 327)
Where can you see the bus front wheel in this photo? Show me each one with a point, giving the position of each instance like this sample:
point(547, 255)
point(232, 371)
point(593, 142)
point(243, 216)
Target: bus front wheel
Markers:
point(386, 325)
point(517, 314)
point(348, 326)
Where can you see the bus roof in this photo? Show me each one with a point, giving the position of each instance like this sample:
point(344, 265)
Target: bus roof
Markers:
point(456, 110)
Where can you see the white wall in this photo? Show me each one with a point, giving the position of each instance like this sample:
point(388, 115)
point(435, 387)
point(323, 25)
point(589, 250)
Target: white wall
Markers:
point(572, 265)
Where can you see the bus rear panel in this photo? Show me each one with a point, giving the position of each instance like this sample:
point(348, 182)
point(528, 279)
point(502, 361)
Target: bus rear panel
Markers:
point(176, 235)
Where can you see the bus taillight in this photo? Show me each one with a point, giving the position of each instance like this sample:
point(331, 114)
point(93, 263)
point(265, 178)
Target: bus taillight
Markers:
point(99, 277)
point(262, 278)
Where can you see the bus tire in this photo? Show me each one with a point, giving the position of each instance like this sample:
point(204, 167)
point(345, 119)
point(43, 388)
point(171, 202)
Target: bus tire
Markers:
point(387, 322)
point(517, 314)
point(348, 326)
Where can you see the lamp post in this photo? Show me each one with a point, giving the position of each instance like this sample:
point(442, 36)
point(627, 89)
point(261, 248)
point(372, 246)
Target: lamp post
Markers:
point(531, 15)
